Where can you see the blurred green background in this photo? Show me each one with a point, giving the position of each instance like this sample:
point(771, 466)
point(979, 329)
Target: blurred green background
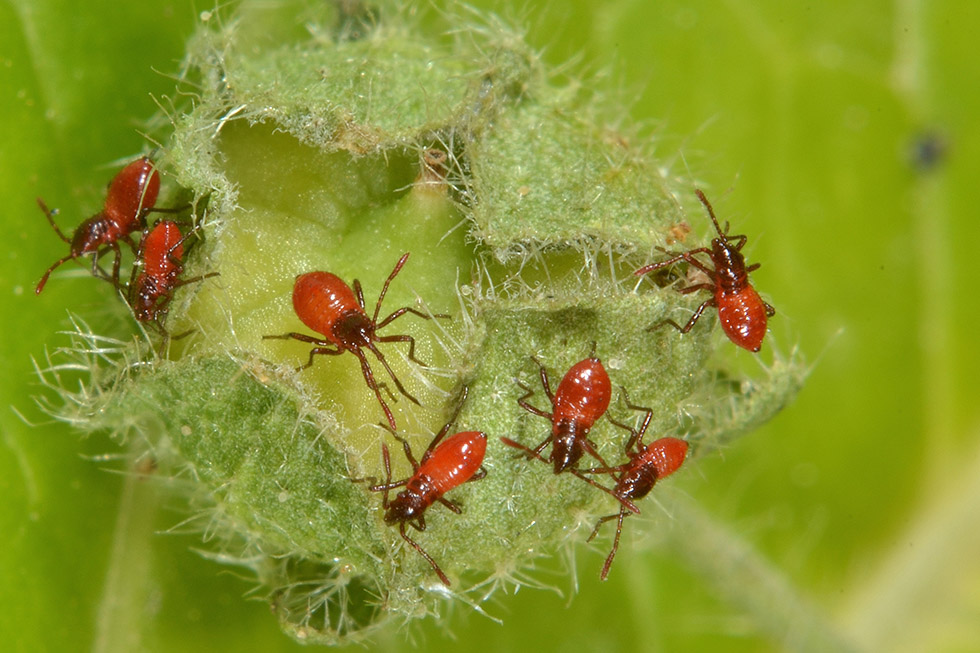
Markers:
point(842, 137)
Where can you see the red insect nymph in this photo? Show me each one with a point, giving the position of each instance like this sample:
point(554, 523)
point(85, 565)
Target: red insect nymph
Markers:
point(327, 305)
point(131, 196)
point(161, 252)
point(742, 312)
point(580, 399)
point(444, 466)
point(636, 478)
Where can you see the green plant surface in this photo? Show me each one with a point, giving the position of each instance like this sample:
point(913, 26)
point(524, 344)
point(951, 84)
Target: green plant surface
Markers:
point(858, 504)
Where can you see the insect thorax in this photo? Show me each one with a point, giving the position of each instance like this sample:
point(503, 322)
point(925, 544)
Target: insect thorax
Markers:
point(353, 329)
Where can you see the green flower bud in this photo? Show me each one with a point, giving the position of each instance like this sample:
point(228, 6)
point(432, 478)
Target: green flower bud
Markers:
point(335, 139)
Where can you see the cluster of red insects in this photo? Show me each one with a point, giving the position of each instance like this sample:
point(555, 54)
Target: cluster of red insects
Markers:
point(331, 308)
point(328, 306)
point(158, 264)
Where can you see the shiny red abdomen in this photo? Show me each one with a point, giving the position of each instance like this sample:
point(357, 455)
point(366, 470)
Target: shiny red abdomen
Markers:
point(583, 394)
point(657, 460)
point(161, 249)
point(132, 190)
point(322, 298)
point(743, 317)
point(454, 461)
point(666, 455)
